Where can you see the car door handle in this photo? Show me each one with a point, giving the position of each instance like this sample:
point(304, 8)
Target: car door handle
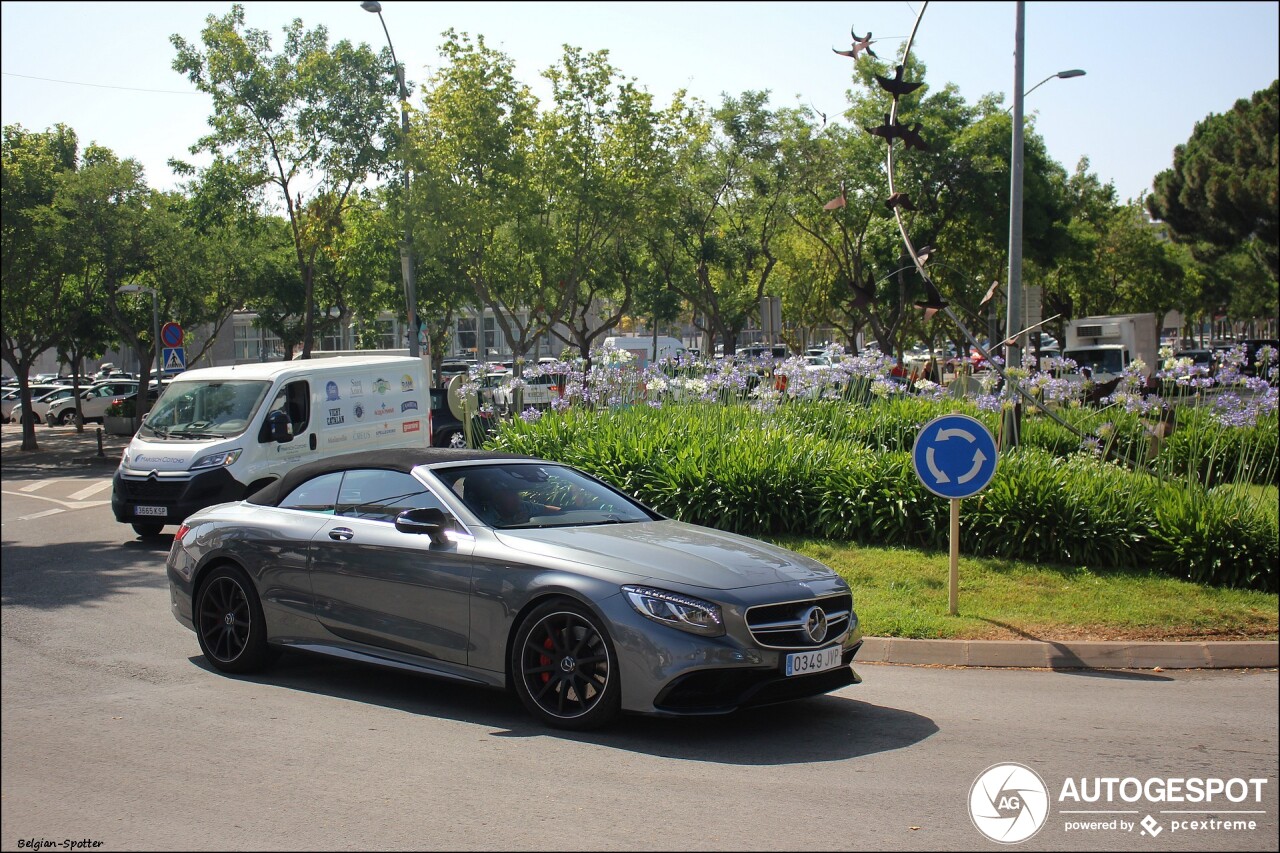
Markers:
point(341, 534)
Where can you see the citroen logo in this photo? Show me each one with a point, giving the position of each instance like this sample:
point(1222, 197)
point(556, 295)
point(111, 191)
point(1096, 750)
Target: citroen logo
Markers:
point(815, 624)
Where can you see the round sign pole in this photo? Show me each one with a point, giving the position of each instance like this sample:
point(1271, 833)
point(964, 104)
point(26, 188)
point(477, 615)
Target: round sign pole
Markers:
point(955, 457)
point(953, 582)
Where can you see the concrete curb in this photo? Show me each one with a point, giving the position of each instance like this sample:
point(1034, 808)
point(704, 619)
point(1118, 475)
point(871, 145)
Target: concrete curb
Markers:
point(1039, 654)
point(62, 448)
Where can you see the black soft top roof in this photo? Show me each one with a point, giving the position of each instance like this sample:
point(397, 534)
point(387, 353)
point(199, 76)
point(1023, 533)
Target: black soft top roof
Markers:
point(400, 459)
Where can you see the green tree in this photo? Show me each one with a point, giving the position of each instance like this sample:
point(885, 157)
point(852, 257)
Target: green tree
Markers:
point(474, 193)
point(33, 257)
point(311, 116)
point(107, 212)
point(1223, 190)
point(599, 163)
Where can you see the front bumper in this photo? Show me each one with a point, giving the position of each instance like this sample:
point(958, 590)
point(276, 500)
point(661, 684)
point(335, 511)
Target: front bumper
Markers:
point(668, 672)
point(179, 495)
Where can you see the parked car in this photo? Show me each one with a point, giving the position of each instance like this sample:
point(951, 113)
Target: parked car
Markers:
point(538, 391)
point(10, 399)
point(40, 405)
point(450, 368)
point(93, 401)
point(446, 429)
point(510, 571)
point(130, 400)
point(1252, 357)
point(757, 352)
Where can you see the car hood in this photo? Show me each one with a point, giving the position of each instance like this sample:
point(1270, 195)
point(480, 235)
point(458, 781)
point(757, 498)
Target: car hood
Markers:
point(670, 551)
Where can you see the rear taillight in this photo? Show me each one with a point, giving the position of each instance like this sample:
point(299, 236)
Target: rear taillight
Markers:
point(182, 531)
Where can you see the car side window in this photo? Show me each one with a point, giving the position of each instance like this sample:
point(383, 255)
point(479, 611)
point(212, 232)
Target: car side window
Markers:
point(382, 495)
point(318, 494)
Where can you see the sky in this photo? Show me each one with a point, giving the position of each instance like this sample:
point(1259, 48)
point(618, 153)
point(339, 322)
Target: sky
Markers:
point(1153, 69)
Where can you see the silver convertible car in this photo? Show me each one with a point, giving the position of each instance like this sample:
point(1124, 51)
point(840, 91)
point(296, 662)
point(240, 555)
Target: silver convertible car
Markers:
point(510, 572)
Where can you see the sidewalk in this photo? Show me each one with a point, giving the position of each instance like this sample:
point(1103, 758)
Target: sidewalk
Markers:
point(63, 450)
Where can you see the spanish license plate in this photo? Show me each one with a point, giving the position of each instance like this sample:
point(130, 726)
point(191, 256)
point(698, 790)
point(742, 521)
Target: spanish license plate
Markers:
point(804, 663)
point(151, 510)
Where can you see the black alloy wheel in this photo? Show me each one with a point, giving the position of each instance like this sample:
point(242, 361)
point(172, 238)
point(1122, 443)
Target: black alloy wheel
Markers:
point(565, 668)
point(230, 623)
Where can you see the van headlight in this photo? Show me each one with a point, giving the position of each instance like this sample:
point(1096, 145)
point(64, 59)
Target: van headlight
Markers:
point(221, 459)
point(679, 611)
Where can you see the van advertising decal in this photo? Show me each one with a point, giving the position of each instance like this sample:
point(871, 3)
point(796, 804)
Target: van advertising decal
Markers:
point(366, 409)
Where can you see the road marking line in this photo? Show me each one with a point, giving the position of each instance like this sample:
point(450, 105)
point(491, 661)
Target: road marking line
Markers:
point(67, 504)
point(40, 514)
point(91, 490)
point(35, 486)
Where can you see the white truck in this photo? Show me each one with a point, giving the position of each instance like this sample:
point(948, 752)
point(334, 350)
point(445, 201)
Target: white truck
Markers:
point(220, 433)
point(644, 350)
point(1102, 347)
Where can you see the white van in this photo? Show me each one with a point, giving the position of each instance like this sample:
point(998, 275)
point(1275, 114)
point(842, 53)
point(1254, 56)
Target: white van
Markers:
point(642, 347)
point(220, 433)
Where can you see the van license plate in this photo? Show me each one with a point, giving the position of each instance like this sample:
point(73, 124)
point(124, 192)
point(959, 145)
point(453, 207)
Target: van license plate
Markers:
point(151, 510)
point(804, 663)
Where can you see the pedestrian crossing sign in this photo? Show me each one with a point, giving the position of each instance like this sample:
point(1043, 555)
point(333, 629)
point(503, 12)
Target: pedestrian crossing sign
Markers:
point(174, 359)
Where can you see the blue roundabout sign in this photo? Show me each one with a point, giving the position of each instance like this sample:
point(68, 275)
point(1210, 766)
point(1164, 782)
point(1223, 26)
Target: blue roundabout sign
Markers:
point(955, 456)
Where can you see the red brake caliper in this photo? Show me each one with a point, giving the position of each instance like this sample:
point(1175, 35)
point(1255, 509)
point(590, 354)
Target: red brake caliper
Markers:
point(543, 660)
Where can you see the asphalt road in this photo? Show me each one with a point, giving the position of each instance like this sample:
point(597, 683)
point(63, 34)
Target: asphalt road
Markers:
point(115, 731)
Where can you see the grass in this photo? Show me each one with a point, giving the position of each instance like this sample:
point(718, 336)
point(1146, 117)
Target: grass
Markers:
point(903, 593)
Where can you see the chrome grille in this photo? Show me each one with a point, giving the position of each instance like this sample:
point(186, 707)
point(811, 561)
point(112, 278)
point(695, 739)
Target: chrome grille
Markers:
point(152, 490)
point(783, 626)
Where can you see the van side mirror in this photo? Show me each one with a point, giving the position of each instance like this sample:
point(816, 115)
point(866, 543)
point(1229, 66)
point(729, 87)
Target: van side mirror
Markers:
point(431, 522)
point(279, 427)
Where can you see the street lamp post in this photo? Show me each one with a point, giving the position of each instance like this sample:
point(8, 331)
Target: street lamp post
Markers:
point(1013, 319)
point(155, 328)
point(406, 247)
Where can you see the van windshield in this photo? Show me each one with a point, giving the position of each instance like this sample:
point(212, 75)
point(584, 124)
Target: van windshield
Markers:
point(195, 410)
point(1098, 360)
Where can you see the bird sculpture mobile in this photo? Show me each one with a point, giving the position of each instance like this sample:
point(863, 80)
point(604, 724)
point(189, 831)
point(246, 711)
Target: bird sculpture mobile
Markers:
point(860, 45)
point(837, 202)
point(899, 199)
point(895, 85)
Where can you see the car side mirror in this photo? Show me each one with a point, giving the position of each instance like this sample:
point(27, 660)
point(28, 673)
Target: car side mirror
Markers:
point(279, 427)
point(431, 522)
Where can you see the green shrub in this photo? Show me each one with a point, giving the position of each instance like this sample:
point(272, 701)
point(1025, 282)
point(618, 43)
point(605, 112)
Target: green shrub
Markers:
point(844, 471)
point(1218, 537)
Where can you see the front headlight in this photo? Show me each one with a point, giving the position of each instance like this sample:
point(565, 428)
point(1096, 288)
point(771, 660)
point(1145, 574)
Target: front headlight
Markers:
point(678, 611)
point(217, 460)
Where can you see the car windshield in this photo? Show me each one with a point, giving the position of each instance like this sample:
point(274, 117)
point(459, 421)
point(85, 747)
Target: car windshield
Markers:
point(193, 409)
point(523, 495)
point(1098, 360)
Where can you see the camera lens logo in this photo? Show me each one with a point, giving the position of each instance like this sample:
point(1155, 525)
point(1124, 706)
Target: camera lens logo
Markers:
point(1008, 803)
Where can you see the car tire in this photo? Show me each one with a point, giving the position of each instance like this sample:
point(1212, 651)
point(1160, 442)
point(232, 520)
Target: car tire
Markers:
point(229, 621)
point(67, 418)
point(147, 529)
point(456, 438)
point(564, 667)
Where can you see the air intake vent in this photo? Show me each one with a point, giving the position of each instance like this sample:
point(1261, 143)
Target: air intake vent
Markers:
point(1089, 331)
